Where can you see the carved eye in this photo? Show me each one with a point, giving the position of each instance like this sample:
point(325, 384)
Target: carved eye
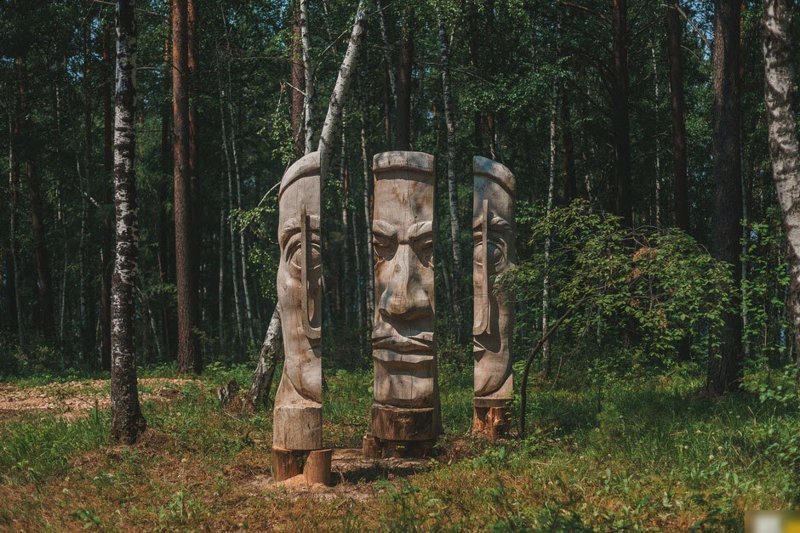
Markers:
point(496, 254)
point(384, 247)
point(424, 251)
point(293, 255)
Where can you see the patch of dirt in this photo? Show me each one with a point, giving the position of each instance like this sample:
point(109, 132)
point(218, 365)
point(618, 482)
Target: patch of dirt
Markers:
point(352, 476)
point(74, 400)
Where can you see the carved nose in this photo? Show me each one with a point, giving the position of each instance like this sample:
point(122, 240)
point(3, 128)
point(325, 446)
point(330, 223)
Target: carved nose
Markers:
point(404, 297)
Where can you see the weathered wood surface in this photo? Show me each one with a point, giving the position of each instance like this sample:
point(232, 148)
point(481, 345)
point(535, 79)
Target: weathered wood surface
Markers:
point(494, 252)
point(406, 395)
point(297, 417)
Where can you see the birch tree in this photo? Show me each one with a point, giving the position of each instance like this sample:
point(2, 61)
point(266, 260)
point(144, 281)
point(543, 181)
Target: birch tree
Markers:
point(779, 93)
point(127, 422)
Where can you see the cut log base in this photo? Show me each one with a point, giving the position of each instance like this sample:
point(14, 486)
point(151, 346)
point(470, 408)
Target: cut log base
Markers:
point(494, 422)
point(375, 448)
point(314, 465)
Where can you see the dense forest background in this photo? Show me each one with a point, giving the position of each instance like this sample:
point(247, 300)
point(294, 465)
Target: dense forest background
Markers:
point(604, 111)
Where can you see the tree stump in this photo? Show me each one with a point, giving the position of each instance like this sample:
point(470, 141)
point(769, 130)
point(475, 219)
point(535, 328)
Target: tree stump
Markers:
point(287, 463)
point(314, 465)
point(318, 467)
point(492, 421)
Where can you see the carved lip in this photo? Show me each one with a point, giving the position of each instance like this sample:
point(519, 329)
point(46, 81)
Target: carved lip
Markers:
point(415, 345)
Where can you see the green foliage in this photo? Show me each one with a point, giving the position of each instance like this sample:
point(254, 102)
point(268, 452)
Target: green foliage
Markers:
point(33, 449)
point(633, 294)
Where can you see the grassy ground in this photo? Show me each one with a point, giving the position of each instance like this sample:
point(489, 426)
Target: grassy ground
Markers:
point(654, 454)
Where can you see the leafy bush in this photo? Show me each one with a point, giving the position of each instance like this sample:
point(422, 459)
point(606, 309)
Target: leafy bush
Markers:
point(628, 296)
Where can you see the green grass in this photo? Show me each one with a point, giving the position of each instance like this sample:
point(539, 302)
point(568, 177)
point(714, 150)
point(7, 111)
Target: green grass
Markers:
point(645, 454)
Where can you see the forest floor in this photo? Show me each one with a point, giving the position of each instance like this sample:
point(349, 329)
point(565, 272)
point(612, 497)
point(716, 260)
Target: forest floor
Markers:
point(644, 454)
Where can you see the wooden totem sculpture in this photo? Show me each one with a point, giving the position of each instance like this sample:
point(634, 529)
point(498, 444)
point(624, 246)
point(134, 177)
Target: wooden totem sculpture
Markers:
point(297, 417)
point(405, 412)
point(493, 231)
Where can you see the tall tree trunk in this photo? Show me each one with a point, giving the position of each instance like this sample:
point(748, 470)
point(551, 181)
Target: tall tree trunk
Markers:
point(568, 150)
point(678, 108)
point(27, 152)
point(189, 357)
point(242, 243)
point(621, 122)
point(165, 239)
point(403, 120)
point(268, 357)
point(308, 102)
point(390, 95)
point(13, 191)
point(229, 173)
point(298, 84)
point(724, 372)
point(333, 118)
point(452, 185)
point(127, 422)
point(107, 246)
point(657, 140)
point(195, 200)
point(780, 93)
point(680, 177)
point(546, 356)
point(369, 297)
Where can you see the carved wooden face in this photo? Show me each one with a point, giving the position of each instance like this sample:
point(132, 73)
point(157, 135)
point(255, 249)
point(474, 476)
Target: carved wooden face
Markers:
point(402, 337)
point(299, 283)
point(493, 253)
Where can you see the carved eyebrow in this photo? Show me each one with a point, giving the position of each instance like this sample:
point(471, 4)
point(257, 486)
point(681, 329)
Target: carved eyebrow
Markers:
point(292, 226)
point(383, 229)
point(420, 229)
point(496, 222)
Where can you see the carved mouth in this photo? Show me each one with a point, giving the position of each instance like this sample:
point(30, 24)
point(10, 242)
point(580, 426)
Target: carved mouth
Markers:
point(414, 345)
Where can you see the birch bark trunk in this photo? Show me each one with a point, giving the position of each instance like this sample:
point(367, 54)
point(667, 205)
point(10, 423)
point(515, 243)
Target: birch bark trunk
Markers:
point(779, 93)
point(340, 90)
point(127, 422)
point(452, 185)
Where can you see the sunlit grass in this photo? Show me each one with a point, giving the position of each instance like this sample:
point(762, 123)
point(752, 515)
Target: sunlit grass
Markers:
point(646, 454)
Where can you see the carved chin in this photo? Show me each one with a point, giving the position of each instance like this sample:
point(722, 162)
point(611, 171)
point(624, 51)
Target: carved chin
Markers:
point(305, 374)
point(491, 371)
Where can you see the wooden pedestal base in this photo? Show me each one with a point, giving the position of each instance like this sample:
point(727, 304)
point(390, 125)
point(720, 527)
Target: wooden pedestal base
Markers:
point(492, 421)
point(375, 448)
point(314, 465)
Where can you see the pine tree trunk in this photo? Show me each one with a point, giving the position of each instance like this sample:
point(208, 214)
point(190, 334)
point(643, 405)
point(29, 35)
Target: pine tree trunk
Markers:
point(780, 92)
point(27, 153)
point(678, 109)
point(188, 343)
point(725, 370)
point(195, 200)
point(127, 422)
point(621, 122)
point(165, 239)
point(679, 159)
point(403, 116)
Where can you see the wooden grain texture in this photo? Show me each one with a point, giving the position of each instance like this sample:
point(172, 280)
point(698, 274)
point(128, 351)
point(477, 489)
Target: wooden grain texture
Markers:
point(494, 252)
point(406, 394)
point(297, 417)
